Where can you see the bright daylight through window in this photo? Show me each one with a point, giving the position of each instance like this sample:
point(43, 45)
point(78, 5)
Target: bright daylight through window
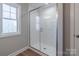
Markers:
point(9, 20)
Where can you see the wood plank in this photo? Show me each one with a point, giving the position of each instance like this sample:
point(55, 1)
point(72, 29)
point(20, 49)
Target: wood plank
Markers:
point(29, 52)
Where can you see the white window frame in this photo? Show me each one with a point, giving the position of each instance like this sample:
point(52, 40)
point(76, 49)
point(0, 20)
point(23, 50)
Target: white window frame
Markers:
point(18, 20)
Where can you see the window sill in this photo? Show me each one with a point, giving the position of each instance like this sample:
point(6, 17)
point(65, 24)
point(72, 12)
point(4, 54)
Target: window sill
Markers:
point(9, 34)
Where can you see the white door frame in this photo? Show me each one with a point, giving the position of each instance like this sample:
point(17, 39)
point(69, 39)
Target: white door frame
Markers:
point(72, 29)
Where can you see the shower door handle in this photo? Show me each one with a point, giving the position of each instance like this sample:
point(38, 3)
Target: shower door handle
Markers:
point(41, 29)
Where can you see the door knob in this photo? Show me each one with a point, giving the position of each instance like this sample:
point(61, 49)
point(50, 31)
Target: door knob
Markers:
point(77, 36)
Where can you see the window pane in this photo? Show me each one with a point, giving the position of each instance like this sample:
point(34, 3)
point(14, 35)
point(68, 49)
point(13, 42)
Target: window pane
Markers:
point(9, 26)
point(13, 16)
point(6, 14)
point(13, 10)
point(6, 7)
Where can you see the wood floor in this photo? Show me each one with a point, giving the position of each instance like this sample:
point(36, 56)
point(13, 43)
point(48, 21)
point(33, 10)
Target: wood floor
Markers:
point(28, 52)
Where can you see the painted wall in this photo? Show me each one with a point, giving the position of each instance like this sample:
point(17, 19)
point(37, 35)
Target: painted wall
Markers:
point(11, 44)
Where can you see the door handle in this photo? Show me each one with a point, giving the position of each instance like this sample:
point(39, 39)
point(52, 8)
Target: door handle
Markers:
point(77, 36)
point(41, 29)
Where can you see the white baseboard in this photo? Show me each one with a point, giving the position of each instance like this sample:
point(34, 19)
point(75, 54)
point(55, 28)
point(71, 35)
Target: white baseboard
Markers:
point(19, 51)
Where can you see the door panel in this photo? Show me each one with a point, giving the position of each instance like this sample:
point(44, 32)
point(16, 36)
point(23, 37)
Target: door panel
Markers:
point(48, 15)
point(43, 29)
point(34, 29)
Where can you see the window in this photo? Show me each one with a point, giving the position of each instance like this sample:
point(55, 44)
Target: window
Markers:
point(10, 19)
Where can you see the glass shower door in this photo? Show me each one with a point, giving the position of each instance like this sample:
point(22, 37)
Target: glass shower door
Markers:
point(48, 15)
point(43, 29)
point(34, 29)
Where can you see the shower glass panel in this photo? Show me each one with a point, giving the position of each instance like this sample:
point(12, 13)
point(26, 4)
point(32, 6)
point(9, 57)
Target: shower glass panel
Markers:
point(43, 29)
point(48, 15)
point(34, 29)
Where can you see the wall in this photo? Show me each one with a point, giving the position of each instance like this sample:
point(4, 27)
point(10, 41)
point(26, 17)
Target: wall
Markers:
point(11, 44)
point(66, 28)
point(35, 5)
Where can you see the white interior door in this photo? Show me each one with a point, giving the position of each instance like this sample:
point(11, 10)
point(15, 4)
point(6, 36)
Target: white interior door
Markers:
point(34, 29)
point(48, 15)
point(76, 23)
